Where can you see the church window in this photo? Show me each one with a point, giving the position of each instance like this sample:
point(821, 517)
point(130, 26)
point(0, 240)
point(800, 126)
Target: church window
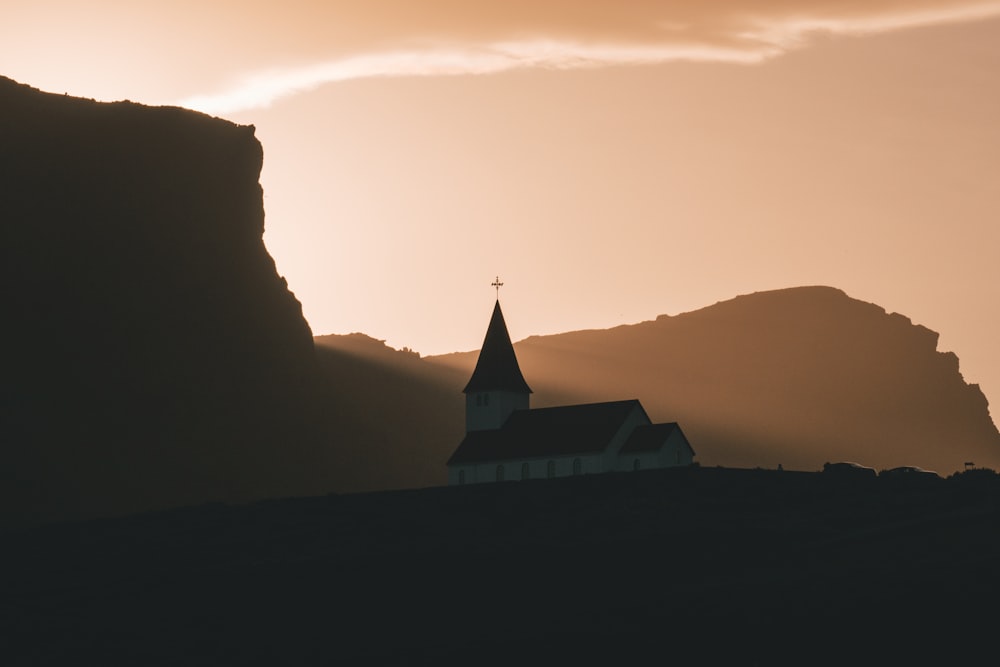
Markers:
point(577, 466)
point(551, 469)
point(635, 464)
point(486, 399)
point(525, 471)
point(678, 456)
point(499, 473)
point(479, 400)
point(461, 477)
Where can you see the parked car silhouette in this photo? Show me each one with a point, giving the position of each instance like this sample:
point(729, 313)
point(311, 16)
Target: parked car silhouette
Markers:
point(849, 469)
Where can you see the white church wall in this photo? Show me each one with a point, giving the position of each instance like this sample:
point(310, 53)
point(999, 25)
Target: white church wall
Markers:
point(647, 461)
point(590, 464)
point(538, 468)
point(566, 466)
point(636, 417)
point(675, 452)
point(488, 410)
point(484, 473)
point(458, 475)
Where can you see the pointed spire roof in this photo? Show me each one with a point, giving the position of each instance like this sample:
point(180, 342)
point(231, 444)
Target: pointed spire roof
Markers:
point(497, 367)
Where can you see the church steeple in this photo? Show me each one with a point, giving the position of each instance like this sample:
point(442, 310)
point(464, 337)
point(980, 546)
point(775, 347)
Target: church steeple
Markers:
point(497, 386)
point(497, 368)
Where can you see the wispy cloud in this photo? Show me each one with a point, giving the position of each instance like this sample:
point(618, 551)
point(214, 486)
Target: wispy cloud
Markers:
point(632, 33)
point(795, 30)
point(262, 88)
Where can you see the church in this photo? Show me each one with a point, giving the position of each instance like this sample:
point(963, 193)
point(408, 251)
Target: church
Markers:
point(506, 440)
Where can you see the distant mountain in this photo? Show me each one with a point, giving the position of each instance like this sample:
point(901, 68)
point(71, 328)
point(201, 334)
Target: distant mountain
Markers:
point(795, 377)
point(151, 355)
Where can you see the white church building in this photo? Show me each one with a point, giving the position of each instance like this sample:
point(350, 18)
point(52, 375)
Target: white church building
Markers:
point(506, 440)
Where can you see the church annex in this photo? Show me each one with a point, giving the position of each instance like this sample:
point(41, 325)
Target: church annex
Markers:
point(506, 440)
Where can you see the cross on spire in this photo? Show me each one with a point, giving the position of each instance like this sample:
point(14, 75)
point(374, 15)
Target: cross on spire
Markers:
point(496, 283)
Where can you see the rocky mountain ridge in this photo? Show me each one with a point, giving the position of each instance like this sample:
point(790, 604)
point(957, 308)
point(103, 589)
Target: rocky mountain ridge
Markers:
point(797, 376)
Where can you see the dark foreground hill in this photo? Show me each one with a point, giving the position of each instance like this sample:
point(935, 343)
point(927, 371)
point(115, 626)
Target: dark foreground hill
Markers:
point(682, 566)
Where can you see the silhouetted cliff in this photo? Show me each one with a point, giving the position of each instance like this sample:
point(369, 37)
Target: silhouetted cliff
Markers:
point(151, 353)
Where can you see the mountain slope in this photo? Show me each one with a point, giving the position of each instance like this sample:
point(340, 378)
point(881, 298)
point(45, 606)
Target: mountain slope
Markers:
point(795, 377)
point(391, 418)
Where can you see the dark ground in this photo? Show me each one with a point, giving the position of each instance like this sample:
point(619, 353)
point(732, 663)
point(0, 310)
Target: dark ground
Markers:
point(686, 566)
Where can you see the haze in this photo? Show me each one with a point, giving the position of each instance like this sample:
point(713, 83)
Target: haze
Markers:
point(610, 161)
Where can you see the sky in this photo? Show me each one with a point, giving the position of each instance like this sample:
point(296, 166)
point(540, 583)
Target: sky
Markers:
point(609, 161)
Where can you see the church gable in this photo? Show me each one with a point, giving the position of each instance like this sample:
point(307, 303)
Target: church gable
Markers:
point(655, 446)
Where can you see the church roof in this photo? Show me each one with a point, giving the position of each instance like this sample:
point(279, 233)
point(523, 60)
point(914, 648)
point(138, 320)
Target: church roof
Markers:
point(650, 437)
point(497, 369)
point(559, 431)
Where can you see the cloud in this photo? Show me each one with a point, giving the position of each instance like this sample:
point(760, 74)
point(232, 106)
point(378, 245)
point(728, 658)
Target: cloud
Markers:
point(794, 30)
point(260, 89)
point(407, 38)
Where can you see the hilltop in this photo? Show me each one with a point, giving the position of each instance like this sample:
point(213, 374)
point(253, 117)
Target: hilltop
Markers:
point(701, 565)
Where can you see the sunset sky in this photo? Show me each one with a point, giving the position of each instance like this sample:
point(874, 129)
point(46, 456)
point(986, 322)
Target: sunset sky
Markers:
point(611, 161)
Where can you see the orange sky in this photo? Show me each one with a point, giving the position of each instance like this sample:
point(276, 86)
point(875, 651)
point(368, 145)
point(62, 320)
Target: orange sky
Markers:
point(611, 161)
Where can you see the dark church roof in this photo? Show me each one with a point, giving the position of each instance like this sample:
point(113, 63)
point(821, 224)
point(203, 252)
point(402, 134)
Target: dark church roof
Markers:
point(650, 437)
point(497, 368)
point(559, 431)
